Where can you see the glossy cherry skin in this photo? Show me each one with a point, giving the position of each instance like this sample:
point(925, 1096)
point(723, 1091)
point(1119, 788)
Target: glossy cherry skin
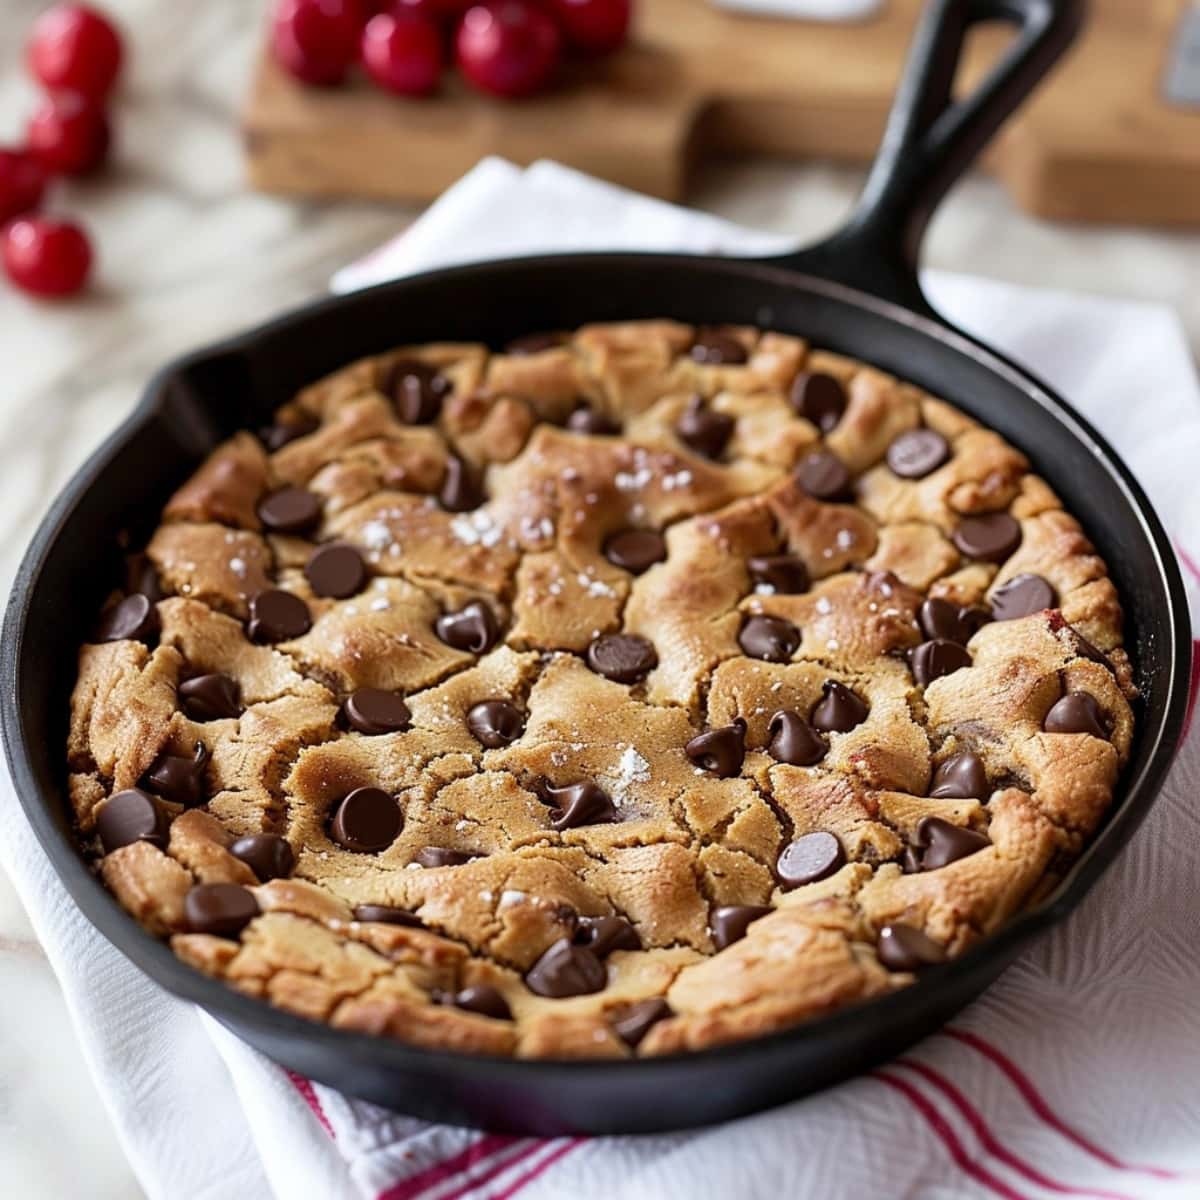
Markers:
point(508, 47)
point(74, 48)
point(68, 134)
point(402, 52)
point(317, 41)
point(45, 257)
point(22, 184)
point(593, 26)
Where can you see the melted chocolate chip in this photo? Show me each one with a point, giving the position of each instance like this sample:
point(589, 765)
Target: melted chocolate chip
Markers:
point(792, 740)
point(268, 855)
point(385, 914)
point(178, 778)
point(783, 574)
point(906, 948)
point(141, 576)
point(824, 476)
point(277, 616)
point(770, 638)
point(566, 970)
point(219, 909)
point(704, 430)
point(933, 659)
point(374, 711)
point(336, 570)
point(473, 628)
point(1085, 649)
point(276, 436)
point(917, 453)
point(483, 999)
point(134, 618)
point(432, 857)
point(622, 657)
point(534, 343)
point(819, 398)
point(809, 858)
point(910, 860)
point(1077, 712)
point(290, 510)
point(584, 803)
point(131, 816)
point(603, 935)
point(728, 923)
point(366, 821)
point(839, 710)
point(714, 348)
point(588, 420)
point(960, 777)
point(495, 723)
point(1021, 596)
point(462, 489)
point(944, 842)
point(417, 391)
point(940, 618)
point(635, 1022)
point(635, 550)
point(721, 751)
point(990, 538)
point(210, 697)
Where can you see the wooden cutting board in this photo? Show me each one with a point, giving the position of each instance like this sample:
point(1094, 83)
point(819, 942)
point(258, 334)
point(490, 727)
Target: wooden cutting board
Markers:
point(1098, 143)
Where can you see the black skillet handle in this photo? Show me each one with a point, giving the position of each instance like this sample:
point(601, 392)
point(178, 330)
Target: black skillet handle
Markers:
point(931, 139)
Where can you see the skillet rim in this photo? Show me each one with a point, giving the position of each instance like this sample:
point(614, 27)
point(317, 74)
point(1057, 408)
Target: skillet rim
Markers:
point(155, 958)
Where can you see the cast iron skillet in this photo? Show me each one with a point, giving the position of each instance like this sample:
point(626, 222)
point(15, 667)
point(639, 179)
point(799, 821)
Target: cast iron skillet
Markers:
point(857, 294)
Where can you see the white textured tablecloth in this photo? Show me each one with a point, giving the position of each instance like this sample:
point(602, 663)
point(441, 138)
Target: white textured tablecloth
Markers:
point(1078, 1074)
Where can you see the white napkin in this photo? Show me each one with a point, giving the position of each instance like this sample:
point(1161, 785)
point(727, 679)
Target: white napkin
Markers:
point(1075, 1075)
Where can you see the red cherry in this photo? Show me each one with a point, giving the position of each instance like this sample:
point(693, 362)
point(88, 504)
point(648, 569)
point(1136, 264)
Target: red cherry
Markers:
point(74, 48)
point(593, 26)
point(403, 53)
point(67, 134)
point(44, 257)
point(442, 11)
point(22, 182)
point(317, 40)
point(507, 47)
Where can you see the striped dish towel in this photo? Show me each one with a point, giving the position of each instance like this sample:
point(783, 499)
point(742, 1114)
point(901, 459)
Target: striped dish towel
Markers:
point(1077, 1074)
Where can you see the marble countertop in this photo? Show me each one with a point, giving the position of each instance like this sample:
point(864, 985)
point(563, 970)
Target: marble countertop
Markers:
point(186, 254)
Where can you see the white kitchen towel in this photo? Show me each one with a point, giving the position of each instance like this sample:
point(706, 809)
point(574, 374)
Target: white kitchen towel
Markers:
point(1077, 1074)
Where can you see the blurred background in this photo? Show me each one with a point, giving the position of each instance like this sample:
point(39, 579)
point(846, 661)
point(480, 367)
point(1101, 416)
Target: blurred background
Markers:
point(232, 190)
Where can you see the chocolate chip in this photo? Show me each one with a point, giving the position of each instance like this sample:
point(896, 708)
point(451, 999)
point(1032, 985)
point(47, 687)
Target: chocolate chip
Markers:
point(336, 570)
point(792, 740)
point(462, 489)
point(588, 420)
point(635, 550)
point(268, 855)
point(770, 638)
point(374, 711)
point(385, 914)
point(809, 858)
point(824, 476)
point(566, 970)
point(719, 751)
point(703, 430)
point(131, 816)
point(584, 803)
point(933, 659)
point(473, 628)
point(783, 574)
point(210, 697)
point(603, 935)
point(910, 860)
point(917, 453)
point(277, 616)
point(366, 821)
point(495, 723)
point(1021, 596)
point(728, 923)
point(940, 618)
point(276, 436)
point(990, 538)
point(839, 710)
point(290, 510)
point(960, 777)
point(634, 1023)
point(441, 856)
point(906, 948)
point(142, 576)
point(944, 842)
point(622, 657)
point(219, 909)
point(1077, 712)
point(417, 390)
point(819, 398)
point(714, 348)
point(534, 343)
point(1085, 649)
point(178, 778)
point(134, 618)
point(483, 999)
